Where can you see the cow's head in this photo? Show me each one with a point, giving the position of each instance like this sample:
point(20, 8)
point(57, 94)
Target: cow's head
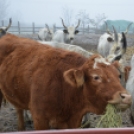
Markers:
point(99, 81)
point(71, 31)
point(3, 30)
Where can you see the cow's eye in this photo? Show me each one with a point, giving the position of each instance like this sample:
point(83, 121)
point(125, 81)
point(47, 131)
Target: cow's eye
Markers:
point(96, 77)
point(120, 76)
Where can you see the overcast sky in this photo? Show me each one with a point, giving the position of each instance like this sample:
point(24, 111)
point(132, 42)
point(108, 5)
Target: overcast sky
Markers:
point(50, 11)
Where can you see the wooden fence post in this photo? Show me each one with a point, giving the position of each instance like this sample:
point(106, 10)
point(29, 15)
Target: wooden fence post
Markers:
point(119, 29)
point(83, 29)
point(88, 29)
point(54, 28)
point(18, 27)
point(33, 28)
point(2, 22)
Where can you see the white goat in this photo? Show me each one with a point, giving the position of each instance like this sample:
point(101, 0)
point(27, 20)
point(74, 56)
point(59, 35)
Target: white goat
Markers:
point(45, 34)
point(67, 35)
point(69, 47)
point(3, 30)
point(130, 85)
point(117, 52)
point(107, 40)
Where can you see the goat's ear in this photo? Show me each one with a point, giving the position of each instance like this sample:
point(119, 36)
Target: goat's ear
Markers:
point(127, 69)
point(76, 31)
point(109, 39)
point(74, 77)
point(65, 31)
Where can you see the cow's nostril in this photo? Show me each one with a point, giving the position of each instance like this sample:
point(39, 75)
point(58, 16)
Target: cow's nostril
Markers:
point(126, 98)
point(71, 38)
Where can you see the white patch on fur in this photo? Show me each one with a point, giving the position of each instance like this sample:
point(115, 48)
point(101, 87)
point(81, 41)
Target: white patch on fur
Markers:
point(111, 57)
point(100, 60)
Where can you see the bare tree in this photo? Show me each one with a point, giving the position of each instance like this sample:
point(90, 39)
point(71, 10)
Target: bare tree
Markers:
point(4, 4)
point(16, 16)
point(98, 19)
point(84, 17)
point(67, 14)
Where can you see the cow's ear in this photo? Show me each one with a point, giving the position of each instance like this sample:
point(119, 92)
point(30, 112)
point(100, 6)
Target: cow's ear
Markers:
point(127, 69)
point(109, 39)
point(74, 77)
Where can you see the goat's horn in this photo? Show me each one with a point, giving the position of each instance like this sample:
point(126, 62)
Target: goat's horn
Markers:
point(115, 34)
point(78, 24)
point(63, 23)
point(107, 29)
point(47, 28)
point(124, 45)
point(128, 28)
point(10, 22)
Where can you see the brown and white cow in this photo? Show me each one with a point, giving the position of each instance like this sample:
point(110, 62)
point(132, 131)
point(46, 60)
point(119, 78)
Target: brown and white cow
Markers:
point(57, 86)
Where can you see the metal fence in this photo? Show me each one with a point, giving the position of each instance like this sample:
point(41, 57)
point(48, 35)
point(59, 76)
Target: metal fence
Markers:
point(81, 131)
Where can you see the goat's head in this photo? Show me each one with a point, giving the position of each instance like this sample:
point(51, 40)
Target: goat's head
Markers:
point(118, 48)
point(117, 54)
point(111, 36)
point(3, 30)
point(71, 30)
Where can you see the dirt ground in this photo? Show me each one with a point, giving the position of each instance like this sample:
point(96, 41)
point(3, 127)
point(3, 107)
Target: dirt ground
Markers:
point(8, 116)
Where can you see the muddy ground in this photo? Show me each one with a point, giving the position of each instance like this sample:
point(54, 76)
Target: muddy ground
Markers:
point(8, 116)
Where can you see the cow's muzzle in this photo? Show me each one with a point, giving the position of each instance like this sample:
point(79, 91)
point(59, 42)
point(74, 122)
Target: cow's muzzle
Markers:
point(122, 100)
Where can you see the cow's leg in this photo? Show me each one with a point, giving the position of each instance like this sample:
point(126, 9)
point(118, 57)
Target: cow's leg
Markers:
point(39, 121)
point(1, 96)
point(21, 125)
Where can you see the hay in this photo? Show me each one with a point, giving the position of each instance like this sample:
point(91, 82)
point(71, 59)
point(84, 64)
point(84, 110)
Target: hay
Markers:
point(111, 118)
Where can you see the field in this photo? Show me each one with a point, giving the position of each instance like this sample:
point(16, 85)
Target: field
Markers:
point(8, 117)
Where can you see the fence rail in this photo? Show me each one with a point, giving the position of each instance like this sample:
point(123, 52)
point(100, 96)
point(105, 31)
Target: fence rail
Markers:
point(19, 29)
point(82, 131)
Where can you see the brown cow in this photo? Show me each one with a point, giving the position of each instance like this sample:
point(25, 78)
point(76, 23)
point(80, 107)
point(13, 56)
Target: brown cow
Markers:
point(57, 86)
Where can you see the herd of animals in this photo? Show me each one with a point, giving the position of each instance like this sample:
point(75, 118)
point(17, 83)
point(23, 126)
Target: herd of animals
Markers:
point(56, 83)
